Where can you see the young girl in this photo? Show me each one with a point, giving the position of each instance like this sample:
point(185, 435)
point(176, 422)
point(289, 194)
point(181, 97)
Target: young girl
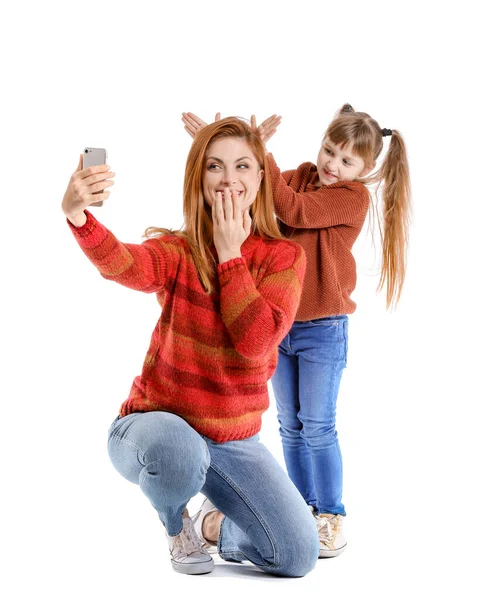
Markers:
point(229, 287)
point(323, 207)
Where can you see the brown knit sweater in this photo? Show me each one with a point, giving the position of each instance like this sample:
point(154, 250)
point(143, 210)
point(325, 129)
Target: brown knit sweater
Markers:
point(325, 221)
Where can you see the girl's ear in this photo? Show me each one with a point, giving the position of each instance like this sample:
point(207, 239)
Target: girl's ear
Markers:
point(366, 170)
point(260, 176)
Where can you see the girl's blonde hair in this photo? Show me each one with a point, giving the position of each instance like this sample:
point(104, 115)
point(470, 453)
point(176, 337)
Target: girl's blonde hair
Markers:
point(198, 225)
point(364, 137)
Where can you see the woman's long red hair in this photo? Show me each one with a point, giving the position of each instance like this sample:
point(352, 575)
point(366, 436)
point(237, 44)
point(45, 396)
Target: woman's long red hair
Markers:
point(198, 226)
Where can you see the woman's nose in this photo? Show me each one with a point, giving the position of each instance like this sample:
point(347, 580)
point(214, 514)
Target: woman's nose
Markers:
point(227, 179)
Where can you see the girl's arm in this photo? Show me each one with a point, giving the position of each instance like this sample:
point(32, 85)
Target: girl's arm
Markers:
point(258, 318)
point(144, 267)
point(343, 203)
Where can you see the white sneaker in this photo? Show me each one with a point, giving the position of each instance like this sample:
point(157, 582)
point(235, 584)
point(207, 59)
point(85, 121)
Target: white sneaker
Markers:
point(187, 552)
point(330, 530)
point(206, 508)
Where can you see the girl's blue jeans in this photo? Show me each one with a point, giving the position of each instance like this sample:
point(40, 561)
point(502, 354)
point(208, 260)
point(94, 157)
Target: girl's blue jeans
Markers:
point(266, 520)
point(311, 360)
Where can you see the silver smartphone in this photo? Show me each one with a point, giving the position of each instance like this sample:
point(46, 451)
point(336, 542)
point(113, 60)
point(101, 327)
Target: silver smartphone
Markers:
point(92, 158)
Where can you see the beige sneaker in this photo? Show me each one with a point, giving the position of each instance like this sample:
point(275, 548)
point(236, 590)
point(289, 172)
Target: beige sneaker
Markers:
point(330, 530)
point(187, 553)
point(206, 508)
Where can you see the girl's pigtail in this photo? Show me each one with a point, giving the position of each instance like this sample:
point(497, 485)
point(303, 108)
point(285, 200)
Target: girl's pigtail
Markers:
point(346, 108)
point(396, 197)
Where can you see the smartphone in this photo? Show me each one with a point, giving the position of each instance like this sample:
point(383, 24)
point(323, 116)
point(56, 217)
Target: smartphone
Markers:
point(92, 158)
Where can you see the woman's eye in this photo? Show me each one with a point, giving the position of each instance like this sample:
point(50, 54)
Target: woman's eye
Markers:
point(244, 165)
point(213, 167)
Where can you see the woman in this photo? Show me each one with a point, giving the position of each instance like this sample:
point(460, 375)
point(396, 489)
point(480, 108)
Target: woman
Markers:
point(229, 286)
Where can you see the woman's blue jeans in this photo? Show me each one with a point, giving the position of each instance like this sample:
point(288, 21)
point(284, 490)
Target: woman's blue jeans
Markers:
point(311, 360)
point(266, 520)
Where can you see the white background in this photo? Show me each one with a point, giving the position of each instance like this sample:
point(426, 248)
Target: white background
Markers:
point(420, 403)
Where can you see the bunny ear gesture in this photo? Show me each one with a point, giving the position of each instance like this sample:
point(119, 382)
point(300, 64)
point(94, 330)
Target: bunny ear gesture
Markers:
point(267, 128)
point(192, 123)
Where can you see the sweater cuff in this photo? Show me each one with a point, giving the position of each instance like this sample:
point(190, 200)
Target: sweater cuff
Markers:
point(87, 228)
point(271, 160)
point(231, 264)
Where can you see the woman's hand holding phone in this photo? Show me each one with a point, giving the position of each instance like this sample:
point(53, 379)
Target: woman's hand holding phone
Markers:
point(82, 191)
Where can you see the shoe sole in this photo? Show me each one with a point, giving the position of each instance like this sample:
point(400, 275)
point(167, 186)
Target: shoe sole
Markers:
point(331, 553)
point(200, 568)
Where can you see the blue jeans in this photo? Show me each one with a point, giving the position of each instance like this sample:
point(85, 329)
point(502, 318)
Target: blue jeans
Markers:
point(266, 520)
point(311, 360)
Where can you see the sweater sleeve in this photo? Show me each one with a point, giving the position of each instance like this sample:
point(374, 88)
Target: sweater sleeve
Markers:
point(342, 203)
point(258, 318)
point(144, 267)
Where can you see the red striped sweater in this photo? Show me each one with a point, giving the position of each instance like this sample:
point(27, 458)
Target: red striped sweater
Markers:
point(210, 356)
point(325, 221)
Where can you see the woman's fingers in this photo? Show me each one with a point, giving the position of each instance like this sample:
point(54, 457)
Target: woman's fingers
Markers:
point(228, 205)
point(227, 208)
point(214, 214)
point(99, 177)
point(98, 169)
point(247, 223)
point(92, 198)
point(237, 207)
point(219, 212)
point(99, 186)
point(217, 117)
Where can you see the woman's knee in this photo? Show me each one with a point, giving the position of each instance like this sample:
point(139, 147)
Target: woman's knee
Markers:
point(157, 444)
point(298, 553)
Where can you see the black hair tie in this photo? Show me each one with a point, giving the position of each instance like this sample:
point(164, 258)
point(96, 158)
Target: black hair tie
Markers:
point(386, 132)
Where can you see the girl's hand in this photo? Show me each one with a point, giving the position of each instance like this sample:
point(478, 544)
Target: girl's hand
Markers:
point(231, 225)
point(192, 123)
point(267, 128)
point(82, 190)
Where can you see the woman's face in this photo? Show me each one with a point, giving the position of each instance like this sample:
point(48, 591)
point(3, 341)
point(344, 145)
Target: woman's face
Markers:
point(230, 163)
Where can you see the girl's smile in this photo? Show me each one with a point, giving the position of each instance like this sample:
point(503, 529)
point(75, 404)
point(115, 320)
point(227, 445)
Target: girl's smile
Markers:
point(337, 164)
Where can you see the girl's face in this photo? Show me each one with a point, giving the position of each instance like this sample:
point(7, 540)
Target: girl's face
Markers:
point(335, 164)
point(230, 163)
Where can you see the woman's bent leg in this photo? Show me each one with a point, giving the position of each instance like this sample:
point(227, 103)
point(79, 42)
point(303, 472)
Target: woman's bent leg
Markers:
point(165, 456)
point(266, 519)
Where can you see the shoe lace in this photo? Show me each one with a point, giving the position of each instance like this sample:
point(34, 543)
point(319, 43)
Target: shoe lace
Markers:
point(188, 540)
point(328, 527)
